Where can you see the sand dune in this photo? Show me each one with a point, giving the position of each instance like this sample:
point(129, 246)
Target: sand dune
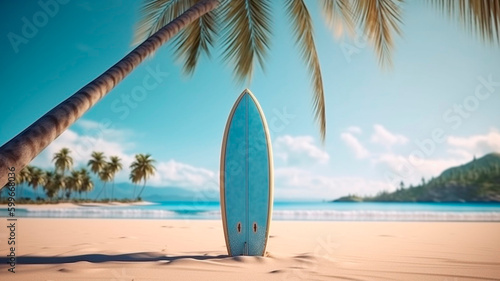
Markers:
point(100, 249)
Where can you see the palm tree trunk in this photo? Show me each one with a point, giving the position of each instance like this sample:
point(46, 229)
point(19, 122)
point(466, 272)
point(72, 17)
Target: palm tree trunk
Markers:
point(133, 195)
point(143, 186)
point(113, 190)
point(103, 186)
point(21, 149)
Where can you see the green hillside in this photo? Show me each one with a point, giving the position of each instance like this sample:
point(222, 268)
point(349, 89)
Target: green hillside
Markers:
point(476, 181)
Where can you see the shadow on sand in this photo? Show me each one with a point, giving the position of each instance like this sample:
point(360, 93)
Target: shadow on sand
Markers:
point(98, 258)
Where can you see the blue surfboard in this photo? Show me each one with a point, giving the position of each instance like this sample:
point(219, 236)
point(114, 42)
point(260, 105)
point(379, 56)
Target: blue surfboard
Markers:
point(246, 178)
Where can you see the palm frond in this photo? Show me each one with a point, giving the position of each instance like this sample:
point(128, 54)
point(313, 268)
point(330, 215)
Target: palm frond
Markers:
point(480, 17)
point(303, 31)
point(196, 39)
point(379, 19)
point(156, 14)
point(338, 16)
point(247, 34)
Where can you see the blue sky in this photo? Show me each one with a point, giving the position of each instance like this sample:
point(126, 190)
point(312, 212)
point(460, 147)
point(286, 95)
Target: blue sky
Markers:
point(437, 107)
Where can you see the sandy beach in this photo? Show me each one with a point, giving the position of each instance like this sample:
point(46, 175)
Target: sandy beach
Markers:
point(119, 249)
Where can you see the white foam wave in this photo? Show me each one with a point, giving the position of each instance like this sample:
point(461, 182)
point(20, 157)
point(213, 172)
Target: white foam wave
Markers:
point(100, 213)
point(367, 215)
point(328, 215)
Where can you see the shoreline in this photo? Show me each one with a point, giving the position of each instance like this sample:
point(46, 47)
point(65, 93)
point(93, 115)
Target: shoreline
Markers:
point(155, 210)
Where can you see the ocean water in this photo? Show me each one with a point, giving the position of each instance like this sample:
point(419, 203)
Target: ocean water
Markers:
point(317, 211)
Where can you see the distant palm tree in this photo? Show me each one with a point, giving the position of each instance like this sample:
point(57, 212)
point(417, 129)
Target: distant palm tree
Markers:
point(115, 166)
point(52, 183)
point(59, 183)
point(73, 183)
point(135, 180)
point(105, 176)
point(23, 178)
point(97, 163)
point(87, 183)
point(62, 160)
point(143, 168)
point(37, 179)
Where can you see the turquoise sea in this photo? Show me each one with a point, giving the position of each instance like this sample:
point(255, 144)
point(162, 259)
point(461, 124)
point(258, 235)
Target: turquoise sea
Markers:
point(323, 211)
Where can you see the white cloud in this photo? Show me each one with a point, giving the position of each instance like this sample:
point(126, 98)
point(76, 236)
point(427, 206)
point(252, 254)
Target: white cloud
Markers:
point(103, 130)
point(478, 145)
point(173, 173)
point(301, 183)
point(299, 150)
point(115, 142)
point(354, 130)
point(382, 136)
point(412, 170)
point(460, 150)
point(355, 145)
point(81, 147)
point(412, 167)
point(392, 167)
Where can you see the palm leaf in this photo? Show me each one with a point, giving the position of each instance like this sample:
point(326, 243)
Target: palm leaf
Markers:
point(303, 30)
point(247, 34)
point(338, 15)
point(480, 17)
point(379, 19)
point(156, 14)
point(196, 39)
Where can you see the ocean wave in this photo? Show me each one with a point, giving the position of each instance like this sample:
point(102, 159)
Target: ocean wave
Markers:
point(328, 215)
point(367, 215)
point(99, 213)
